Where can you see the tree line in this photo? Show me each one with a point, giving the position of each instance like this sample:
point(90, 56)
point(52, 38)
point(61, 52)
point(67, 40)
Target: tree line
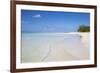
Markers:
point(83, 28)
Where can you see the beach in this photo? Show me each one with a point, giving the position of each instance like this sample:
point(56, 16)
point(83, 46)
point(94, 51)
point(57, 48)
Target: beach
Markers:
point(50, 47)
point(85, 37)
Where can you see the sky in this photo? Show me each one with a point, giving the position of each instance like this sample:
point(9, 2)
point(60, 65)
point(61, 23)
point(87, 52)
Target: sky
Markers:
point(36, 21)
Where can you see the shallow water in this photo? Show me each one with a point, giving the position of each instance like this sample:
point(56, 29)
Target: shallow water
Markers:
point(45, 47)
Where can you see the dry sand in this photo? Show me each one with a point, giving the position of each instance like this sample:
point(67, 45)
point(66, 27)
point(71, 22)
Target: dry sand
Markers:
point(55, 50)
point(71, 52)
point(85, 37)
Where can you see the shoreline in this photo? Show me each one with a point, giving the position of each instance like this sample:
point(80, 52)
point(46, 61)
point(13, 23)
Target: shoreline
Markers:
point(85, 37)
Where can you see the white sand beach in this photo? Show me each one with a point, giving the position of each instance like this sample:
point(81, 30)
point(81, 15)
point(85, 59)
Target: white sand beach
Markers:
point(48, 47)
point(85, 37)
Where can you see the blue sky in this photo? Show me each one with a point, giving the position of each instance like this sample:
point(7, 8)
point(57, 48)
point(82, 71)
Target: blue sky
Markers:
point(51, 21)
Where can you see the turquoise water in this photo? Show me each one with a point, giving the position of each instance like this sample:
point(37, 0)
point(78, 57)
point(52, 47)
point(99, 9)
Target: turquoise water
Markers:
point(50, 35)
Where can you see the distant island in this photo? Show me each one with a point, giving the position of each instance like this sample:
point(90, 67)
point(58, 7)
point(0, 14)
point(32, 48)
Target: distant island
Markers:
point(83, 28)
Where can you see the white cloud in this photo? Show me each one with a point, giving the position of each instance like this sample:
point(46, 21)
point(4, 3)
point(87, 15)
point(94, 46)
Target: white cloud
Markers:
point(36, 16)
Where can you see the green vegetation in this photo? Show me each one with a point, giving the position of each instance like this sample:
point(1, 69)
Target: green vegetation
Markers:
point(83, 28)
